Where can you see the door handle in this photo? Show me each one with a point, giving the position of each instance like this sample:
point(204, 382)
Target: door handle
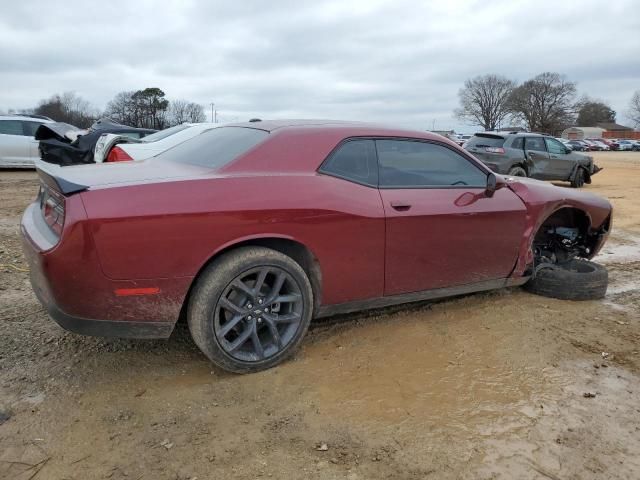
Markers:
point(400, 205)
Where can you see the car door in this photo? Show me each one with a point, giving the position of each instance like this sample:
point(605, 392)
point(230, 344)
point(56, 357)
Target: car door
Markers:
point(535, 151)
point(442, 229)
point(14, 146)
point(561, 162)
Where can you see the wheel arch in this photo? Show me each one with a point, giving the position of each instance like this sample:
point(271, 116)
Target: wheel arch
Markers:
point(522, 164)
point(568, 216)
point(289, 246)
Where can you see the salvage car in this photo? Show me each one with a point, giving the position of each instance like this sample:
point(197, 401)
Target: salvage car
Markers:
point(532, 155)
point(251, 230)
point(116, 147)
point(62, 144)
point(18, 147)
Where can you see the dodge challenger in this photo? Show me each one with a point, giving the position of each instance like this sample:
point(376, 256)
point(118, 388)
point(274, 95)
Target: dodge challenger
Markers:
point(250, 230)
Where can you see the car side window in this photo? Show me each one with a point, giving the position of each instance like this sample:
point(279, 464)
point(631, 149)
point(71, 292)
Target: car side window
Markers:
point(535, 143)
point(518, 143)
point(29, 128)
point(131, 134)
point(415, 164)
point(11, 127)
point(354, 160)
point(555, 147)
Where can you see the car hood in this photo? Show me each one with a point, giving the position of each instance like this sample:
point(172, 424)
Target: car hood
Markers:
point(100, 175)
point(545, 198)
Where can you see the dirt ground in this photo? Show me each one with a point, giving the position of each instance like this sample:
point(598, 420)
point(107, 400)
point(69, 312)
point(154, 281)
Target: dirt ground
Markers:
point(489, 386)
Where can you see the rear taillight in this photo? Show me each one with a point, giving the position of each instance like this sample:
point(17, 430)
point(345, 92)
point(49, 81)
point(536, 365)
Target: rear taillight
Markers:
point(494, 149)
point(118, 155)
point(52, 208)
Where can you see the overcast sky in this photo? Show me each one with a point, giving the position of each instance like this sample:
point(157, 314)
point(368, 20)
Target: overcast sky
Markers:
point(399, 62)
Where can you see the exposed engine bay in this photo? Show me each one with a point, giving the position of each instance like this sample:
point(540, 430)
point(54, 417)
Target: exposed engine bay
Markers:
point(559, 245)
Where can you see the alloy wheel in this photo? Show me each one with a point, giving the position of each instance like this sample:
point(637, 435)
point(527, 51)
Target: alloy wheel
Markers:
point(258, 313)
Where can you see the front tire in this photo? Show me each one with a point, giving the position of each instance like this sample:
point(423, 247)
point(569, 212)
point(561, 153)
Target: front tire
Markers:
point(250, 309)
point(574, 280)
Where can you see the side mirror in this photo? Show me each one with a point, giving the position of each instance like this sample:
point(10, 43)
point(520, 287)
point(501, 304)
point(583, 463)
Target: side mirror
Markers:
point(494, 183)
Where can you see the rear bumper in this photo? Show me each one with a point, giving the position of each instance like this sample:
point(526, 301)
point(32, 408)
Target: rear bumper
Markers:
point(102, 328)
point(68, 282)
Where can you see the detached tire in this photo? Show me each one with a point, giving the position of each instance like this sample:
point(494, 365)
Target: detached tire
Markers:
point(517, 172)
point(578, 179)
point(250, 309)
point(574, 280)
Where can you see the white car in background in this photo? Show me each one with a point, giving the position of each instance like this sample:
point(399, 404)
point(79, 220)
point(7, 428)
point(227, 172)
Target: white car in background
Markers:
point(625, 145)
point(18, 147)
point(112, 147)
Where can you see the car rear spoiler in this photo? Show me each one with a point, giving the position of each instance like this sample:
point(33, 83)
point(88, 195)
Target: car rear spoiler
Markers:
point(58, 183)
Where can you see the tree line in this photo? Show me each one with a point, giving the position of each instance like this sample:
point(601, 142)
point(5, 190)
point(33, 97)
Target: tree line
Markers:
point(547, 103)
point(146, 108)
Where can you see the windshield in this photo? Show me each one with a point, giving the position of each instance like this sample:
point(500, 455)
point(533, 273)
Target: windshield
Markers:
point(216, 147)
point(154, 137)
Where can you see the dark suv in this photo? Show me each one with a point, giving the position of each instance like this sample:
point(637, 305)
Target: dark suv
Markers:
point(531, 155)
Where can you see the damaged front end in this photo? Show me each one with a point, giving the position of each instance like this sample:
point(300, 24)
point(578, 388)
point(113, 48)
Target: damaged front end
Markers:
point(566, 235)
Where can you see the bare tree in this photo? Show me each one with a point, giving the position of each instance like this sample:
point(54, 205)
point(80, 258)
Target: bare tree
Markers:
point(483, 100)
point(545, 103)
point(195, 113)
point(178, 112)
point(181, 111)
point(634, 108)
point(69, 108)
point(121, 109)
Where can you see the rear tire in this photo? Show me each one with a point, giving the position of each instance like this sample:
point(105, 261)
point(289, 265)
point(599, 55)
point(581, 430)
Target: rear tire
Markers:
point(517, 171)
point(574, 280)
point(578, 179)
point(250, 309)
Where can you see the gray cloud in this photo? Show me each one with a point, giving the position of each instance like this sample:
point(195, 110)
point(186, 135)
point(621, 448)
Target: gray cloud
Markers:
point(393, 61)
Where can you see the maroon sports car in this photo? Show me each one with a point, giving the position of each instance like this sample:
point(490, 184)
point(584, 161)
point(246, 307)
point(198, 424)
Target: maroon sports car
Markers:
point(251, 230)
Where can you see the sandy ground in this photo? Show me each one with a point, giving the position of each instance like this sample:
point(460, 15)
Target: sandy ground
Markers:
point(487, 386)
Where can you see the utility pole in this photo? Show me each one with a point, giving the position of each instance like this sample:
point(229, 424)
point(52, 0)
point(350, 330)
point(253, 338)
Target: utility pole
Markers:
point(212, 112)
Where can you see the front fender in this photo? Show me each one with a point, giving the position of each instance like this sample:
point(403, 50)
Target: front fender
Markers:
point(543, 199)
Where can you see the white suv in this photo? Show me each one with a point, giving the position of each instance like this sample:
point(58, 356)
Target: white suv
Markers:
point(18, 148)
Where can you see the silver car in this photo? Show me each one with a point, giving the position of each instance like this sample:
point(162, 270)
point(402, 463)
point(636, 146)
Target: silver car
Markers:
point(18, 147)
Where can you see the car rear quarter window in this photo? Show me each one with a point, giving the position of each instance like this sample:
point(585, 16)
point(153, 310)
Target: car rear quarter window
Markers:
point(11, 127)
point(354, 160)
point(483, 141)
point(30, 128)
point(217, 147)
point(518, 143)
point(415, 164)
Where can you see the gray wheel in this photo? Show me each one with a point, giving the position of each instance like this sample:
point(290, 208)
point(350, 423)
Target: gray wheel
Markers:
point(517, 171)
point(250, 309)
point(574, 280)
